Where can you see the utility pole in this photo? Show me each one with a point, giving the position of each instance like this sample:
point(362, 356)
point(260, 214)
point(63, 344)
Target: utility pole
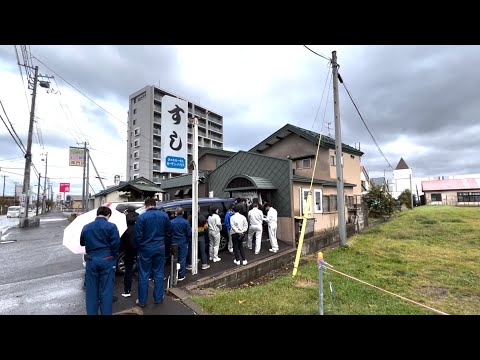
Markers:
point(28, 154)
point(45, 185)
point(342, 231)
point(87, 190)
point(95, 168)
point(84, 169)
point(4, 176)
point(38, 191)
point(411, 192)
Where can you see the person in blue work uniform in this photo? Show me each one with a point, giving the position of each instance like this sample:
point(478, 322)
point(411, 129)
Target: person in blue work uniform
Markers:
point(102, 243)
point(152, 231)
point(181, 235)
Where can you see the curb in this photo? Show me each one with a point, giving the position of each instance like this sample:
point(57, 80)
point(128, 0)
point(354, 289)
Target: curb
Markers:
point(184, 297)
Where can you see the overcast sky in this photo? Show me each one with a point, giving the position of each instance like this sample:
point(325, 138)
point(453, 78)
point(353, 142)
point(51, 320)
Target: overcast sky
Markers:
point(420, 102)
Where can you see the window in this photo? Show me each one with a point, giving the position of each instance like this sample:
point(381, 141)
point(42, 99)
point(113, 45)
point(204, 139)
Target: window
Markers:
point(318, 201)
point(304, 164)
point(332, 160)
point(135, 155)
point(325, 204)
point(136, 143)
point(134, 111)
point(136, 131)
point(135, 166)
point(134, 122)
point(468, 197)
point(333, 202)
point(436, 197)
point(135, 176)
point(303, 196)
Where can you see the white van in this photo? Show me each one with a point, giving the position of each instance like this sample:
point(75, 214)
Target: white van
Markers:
point(13, 211)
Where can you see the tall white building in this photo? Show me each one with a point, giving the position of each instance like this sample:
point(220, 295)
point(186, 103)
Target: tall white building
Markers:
point(145, 124)
point(402, 179)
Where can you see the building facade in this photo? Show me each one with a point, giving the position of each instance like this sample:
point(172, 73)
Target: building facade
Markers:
point(402, 179)
point(145, 124)
point(461, 192)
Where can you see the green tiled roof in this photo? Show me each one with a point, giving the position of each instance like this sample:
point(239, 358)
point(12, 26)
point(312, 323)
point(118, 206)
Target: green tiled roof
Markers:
point(276, 171)
point(305, 179)
point(327, 142)
point(140, 184)
point(182, 180)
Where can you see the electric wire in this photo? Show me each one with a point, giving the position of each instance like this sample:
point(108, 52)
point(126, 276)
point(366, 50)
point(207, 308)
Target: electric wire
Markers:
point(323, 56)
point(13, 129)
point(364, 123)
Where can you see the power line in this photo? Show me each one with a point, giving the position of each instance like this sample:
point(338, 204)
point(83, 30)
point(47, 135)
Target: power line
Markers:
point(323, 93)
point(80, 91)
point(125, 123)
point(364, 123)
point(326, 58)
point(20, 140)
point(21, 76)
point(13, 137)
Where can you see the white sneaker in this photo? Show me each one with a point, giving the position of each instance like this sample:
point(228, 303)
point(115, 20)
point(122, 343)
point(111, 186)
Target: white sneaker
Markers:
point(205, 266)
point(274, 251)
point(216, 259)
point(237, 262)
point(210, 258)
point(244, 262)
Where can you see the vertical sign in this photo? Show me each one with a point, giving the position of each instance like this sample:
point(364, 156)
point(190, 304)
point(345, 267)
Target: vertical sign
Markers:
point(76, 156)
point(174, 135)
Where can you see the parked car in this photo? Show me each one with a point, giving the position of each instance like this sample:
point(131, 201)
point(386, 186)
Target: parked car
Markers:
point(13, 211)
point(121, 207)
point(205, 205)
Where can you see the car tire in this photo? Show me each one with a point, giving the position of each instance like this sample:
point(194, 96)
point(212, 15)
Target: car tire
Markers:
point(120, 269)
point(223, 242)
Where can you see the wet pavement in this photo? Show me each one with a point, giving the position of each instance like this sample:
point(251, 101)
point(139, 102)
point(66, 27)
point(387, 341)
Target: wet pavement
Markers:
point(41, 277)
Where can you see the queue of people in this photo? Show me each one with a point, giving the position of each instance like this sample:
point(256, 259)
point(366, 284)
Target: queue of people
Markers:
point(146, 239)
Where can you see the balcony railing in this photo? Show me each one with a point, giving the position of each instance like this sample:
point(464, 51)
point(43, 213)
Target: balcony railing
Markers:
point(156, 143)
point(156, 155)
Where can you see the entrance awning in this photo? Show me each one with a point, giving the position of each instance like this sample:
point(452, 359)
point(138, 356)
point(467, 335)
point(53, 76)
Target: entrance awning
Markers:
point(246, 182)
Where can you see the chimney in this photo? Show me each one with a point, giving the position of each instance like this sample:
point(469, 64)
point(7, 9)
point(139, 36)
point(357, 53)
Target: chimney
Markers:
point(116, 180)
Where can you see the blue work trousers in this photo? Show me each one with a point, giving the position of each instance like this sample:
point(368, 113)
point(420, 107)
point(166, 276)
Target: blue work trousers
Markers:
point(99, 283)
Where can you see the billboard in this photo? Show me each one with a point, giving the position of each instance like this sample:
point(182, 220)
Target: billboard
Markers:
point(64, 187)
point(76, 156)
point(174, 135)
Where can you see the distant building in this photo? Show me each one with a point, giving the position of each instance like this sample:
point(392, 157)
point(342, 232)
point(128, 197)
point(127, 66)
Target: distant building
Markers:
point(364, 180)
point(465, 192)
point(402, 179)
point(144, 120)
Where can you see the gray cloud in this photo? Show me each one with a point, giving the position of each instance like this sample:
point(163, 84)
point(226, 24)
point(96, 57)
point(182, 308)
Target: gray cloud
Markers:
point(425, 93)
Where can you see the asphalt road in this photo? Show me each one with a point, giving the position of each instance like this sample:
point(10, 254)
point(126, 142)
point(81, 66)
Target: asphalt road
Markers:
point(39, 276)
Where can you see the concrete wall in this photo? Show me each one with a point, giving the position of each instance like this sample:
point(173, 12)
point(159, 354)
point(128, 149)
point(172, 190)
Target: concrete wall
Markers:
point(401, 181)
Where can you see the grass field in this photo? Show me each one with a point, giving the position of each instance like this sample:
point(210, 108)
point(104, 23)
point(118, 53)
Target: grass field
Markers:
point(430, 255)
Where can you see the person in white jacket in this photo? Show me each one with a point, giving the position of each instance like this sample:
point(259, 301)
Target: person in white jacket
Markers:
point(271, 219)
point(255, 216)
point(239, 226)
point(214, 228)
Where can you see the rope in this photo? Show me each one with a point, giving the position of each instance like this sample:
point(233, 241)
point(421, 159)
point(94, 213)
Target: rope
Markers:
point(388, 292)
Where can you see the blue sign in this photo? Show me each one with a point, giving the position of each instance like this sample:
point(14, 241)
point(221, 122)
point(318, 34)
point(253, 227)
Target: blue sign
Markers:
point(175, 162)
